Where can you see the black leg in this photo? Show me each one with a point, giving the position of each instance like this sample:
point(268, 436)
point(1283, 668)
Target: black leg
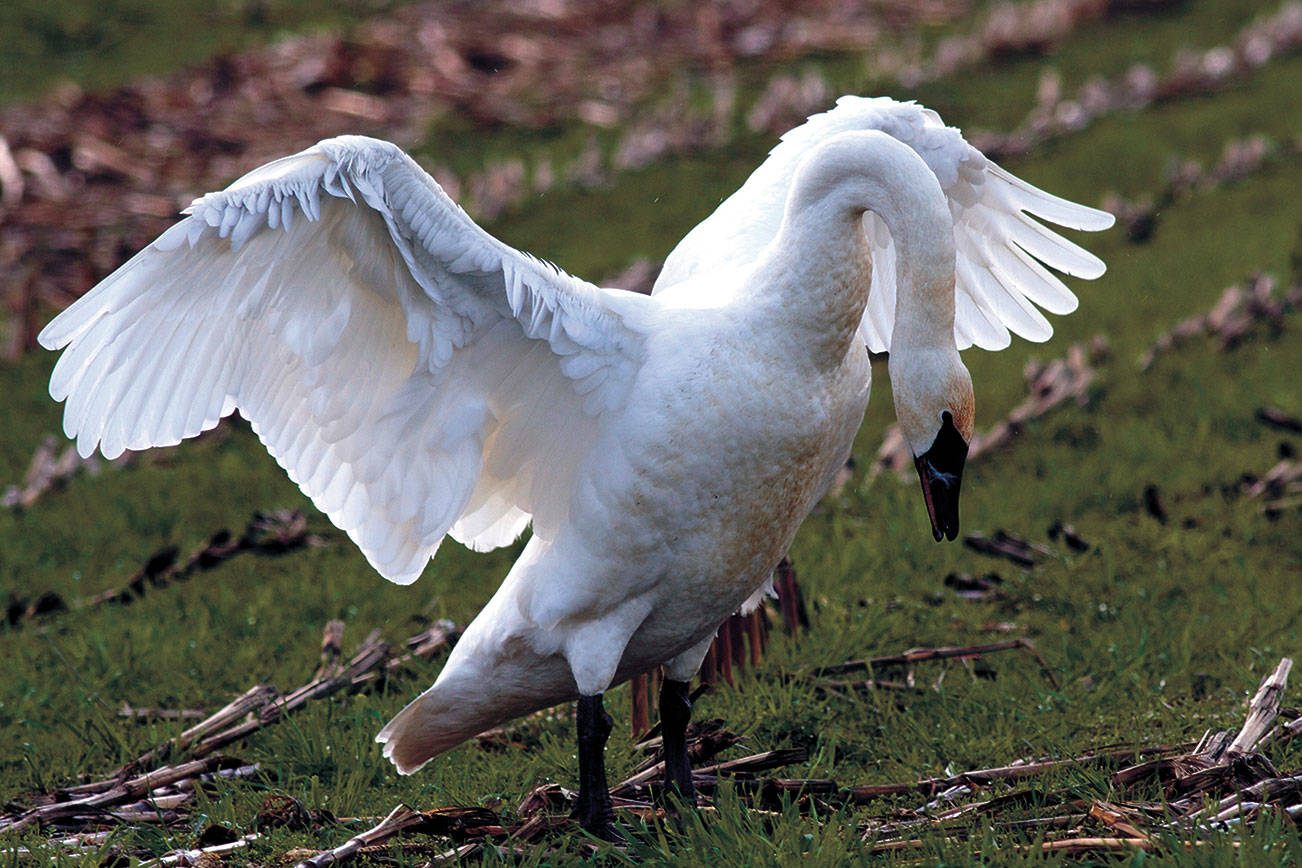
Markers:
point(593, 810)
point(675, 712)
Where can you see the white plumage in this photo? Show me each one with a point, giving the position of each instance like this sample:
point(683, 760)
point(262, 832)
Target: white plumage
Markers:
point(411, 373)
point(997, 242)
point(417, 377)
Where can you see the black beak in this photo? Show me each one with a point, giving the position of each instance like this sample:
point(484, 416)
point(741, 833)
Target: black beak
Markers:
point(941, 470)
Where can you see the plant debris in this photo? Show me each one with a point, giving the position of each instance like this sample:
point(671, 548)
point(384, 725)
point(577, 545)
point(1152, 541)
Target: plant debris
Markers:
point(1274, 417)
point(1236, 315)
point(1279, 490)
point(1240, 159)
point(1068, 534)
point(455, 823)
point(397, 74)
point(975, 587)
point(267, 533)
point(1008, 31)
point(150, 789)
point(50, 469)
point(149, 714)
point(394, 76)
point(1192, 73)
point(1228, 766)
point(1008, 546)
point(1153, 504)
point(129, 796)
point(920, 655)
point(1224, 778)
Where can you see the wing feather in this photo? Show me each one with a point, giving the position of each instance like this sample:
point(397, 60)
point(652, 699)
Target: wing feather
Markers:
point(1002, 249)
point(373, 336)
point(1031, 199)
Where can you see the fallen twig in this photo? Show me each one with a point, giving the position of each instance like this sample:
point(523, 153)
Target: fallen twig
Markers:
point(1068, 534)
point(971, 587)
point(1153, 505)
point(1278, 419)
point(171, 786)
point(400, 818)
point(144, 714)
point(1279, 489)
point(1009, 546)
point(1090, 845)
point(459, 822)
point(1220, 761)
point(267, 533)
point(1114, 818)
point(49, 469)
point(1224, 760)
point(919, 655)
point(865, 793)
point(120, 792)
point(704, 777)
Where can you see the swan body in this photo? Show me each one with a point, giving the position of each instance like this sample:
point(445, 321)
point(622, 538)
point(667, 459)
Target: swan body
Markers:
point(418, 378)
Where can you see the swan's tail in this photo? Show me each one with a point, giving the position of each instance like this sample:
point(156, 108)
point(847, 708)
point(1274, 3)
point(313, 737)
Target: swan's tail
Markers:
point(465, 702)
point(422, 731)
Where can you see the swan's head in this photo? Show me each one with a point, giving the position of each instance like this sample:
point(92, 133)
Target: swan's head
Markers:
point(934, 405)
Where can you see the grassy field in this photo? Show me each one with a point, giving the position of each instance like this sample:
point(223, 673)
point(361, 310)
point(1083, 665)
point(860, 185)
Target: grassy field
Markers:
point(1154, 633)
point(100, 45)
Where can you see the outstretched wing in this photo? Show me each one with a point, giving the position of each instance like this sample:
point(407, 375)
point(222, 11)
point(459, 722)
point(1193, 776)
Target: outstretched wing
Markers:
point(1002, 249)
point(413, 374)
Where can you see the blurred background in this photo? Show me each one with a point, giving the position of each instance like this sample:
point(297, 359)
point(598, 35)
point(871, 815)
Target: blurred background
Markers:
point(115, 115)
point(1160, 424)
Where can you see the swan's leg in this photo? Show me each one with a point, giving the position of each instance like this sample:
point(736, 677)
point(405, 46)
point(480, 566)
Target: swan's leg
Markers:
point(593, 649)
point(675, 712)
point(593, 810)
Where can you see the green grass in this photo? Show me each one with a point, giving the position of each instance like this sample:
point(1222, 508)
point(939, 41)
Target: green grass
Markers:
point(998, 95)
point(1155, 633)
point(98, 44)
point(1101, 48)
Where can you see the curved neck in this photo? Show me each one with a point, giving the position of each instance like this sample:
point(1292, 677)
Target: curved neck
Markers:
point(821, 264)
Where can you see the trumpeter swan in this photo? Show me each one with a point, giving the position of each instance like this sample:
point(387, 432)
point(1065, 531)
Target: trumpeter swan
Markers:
point(418, 378)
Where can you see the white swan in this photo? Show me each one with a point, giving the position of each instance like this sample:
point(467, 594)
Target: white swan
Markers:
point(417, 377)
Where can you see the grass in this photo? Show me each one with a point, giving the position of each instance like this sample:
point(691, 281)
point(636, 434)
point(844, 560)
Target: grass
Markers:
point(98, 45)
point(1155, 633)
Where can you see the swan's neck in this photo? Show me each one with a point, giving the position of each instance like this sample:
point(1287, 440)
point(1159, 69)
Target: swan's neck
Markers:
point(820, 265)
point(924, 276)
point(815, 282)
